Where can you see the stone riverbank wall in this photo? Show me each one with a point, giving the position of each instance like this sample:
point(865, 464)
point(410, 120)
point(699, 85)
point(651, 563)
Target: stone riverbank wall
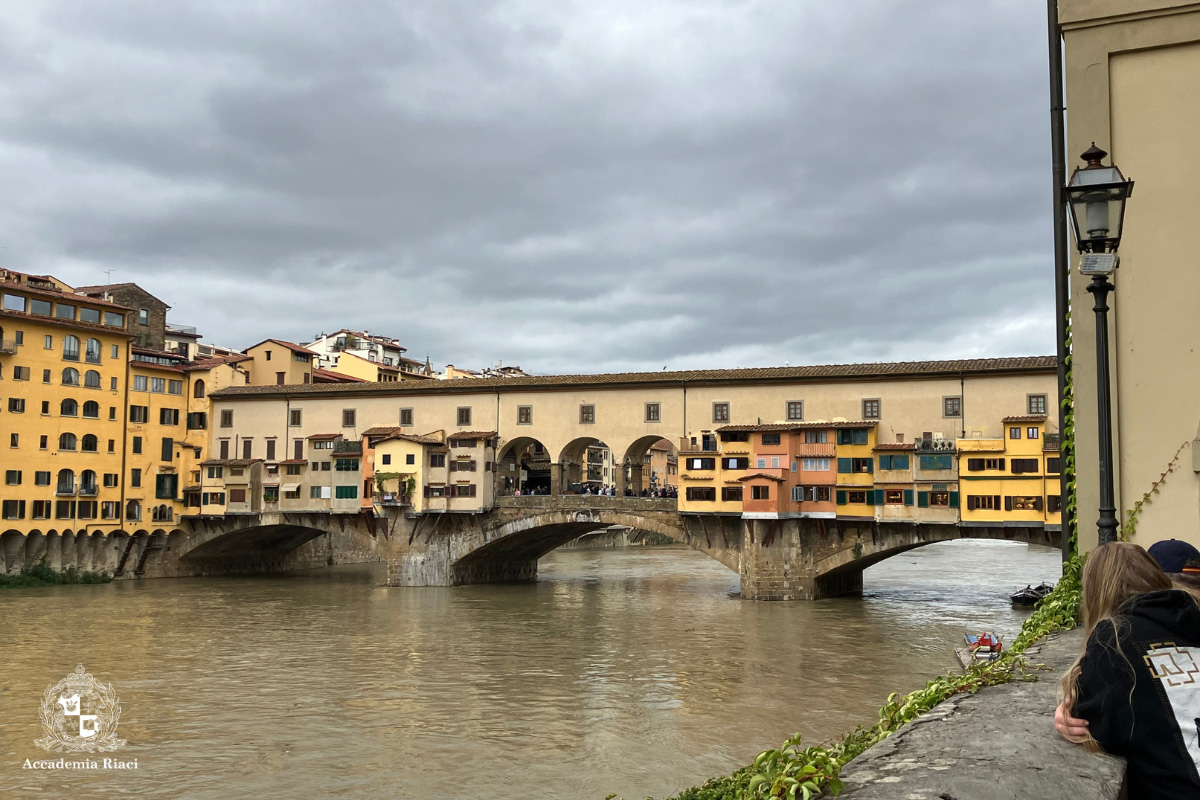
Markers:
point(997, 744)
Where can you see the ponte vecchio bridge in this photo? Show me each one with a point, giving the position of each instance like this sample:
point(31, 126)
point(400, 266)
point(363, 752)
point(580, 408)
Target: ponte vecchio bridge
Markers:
point(458, 537)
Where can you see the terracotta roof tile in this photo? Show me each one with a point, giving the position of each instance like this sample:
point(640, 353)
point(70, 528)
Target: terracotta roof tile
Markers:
point(336, 377)
point(471, 435)
point(895, 446)
point(214, 361)
point(797, 426)
point(325, 436)
point(757, 475)
point(915, 369)
point(230, 462)
point(70, 297)
point(1025, 418)
point(411, 437)
point(289, 345)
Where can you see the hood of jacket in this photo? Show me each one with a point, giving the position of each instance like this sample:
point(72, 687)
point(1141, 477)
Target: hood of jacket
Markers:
point(1173, 611)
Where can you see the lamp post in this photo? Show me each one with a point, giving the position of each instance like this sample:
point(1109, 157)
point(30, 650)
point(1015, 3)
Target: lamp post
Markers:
point(1096, 198)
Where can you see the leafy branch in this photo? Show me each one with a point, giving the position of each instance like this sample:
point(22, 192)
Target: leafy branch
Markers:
point(1129, 527)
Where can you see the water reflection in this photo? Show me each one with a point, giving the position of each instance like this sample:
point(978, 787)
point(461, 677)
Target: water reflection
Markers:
point(638, 672)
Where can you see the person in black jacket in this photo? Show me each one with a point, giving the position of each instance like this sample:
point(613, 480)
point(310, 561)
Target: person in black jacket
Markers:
point(1137, 683)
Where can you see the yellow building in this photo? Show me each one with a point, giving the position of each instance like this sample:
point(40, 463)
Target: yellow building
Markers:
point(278, 363)
point(202, 377)
point(394, 467)
point(1012, 479)
point(155, 437)
point(62, 382)
point(710, 474)
point(855, 493)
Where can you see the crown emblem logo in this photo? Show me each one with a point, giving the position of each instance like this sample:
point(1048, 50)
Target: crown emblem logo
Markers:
point(79, 715)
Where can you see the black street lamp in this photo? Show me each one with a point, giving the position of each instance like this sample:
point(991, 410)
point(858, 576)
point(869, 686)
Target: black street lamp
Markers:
point(1096, 198)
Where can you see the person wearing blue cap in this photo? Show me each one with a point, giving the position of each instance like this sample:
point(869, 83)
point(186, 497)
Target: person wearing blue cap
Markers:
point(1172, 555)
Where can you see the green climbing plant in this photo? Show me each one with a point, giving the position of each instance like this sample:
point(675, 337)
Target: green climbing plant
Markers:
point(1129, 526)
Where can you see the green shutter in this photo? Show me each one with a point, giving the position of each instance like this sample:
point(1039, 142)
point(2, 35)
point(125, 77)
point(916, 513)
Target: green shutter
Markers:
point(922, 499)
point(875, 497)
point(954, 499)
point(845, 465)
point(871, 466)
point(885, 462)
point(860, 436)
point(841, 497)
point(908, 497)
point(899, 462)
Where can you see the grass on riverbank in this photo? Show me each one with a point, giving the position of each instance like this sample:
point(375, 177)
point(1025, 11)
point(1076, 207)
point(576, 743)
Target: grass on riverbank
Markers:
point(792, 772)
point(42, 575)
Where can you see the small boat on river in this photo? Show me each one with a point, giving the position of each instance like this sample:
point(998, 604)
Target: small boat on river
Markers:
point(984, 647)
point(1031, 594)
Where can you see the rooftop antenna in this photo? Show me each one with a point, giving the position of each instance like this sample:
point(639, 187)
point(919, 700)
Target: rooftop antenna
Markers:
point(108, 274)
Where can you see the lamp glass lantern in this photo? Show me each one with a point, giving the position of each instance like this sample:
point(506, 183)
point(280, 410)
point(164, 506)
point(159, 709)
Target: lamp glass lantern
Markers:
point(1096, 198)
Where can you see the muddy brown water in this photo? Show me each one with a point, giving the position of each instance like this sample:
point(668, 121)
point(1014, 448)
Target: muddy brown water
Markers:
point(637, 671)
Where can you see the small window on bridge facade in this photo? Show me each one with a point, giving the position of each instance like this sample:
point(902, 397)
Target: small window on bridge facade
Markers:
point(464, 415)
point(227, 418)
point(652, 412)
point(870, 408)
point(1036, 403)
point(951, 406)
point(349, 417)
point(294, 417)
point(761, 492)
point(524, 415)
point(720, 412)
point(406, 417)
point(587, 414)
point(795, 410)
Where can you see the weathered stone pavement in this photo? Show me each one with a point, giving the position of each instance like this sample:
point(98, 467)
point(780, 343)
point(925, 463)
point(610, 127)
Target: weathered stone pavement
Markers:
point(998, 743)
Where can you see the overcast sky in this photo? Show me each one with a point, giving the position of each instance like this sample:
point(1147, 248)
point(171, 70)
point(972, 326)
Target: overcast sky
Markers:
point(571, 186)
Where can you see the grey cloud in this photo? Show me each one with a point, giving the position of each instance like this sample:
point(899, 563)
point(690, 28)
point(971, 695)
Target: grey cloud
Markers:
point(570, 187)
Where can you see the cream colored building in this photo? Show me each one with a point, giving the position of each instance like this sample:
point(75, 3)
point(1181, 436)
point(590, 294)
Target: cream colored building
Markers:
point(632, 411)
point(1132, 68)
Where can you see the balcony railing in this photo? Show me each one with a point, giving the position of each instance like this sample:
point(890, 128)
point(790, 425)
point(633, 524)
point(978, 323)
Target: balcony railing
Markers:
point(162, 515)
point(1051, 441)
point(65, 491)
point(348, 446)
point(936, 445)
point(8, 346)
point(89, 491)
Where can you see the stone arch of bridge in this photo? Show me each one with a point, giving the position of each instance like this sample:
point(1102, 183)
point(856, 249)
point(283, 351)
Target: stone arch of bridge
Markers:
point(221, 543)
point(871, 546)
point(529, 537)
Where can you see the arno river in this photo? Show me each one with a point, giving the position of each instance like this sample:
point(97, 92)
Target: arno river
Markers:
point(632, 671)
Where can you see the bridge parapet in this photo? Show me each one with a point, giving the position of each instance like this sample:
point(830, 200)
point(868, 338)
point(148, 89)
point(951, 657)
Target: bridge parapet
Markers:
point(587, 501)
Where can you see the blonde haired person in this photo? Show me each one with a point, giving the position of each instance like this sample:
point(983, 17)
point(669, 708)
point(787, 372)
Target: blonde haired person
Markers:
point(1137, 684)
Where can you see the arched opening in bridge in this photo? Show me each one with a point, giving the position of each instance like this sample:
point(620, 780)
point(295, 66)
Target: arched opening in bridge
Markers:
point(586, 467)
point(650, 468)
point(523, 464)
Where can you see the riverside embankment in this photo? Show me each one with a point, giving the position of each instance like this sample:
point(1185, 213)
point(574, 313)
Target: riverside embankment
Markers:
point(996, 744)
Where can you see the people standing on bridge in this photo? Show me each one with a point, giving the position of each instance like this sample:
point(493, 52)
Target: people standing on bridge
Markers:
point(1137, 677)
